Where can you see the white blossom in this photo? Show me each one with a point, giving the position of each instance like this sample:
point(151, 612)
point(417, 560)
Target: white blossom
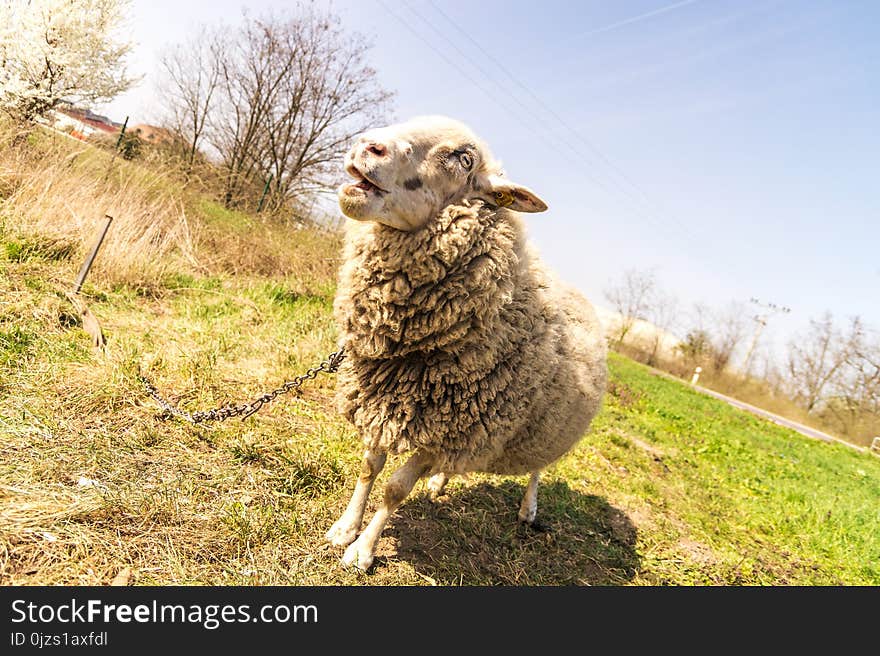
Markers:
point(54, 50)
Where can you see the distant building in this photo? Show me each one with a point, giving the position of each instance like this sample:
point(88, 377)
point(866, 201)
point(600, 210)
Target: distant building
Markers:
point(152, 134)
point(80, 123)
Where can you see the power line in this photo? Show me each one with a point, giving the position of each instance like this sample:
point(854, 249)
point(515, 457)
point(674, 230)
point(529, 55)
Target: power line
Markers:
point(665, 219)
point(633, 19)
point(659, 223)
point(540, 101)
point(560, 143)
point(575, 159)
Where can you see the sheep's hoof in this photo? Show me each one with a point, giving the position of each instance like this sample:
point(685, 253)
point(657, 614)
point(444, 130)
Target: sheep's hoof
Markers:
point(437, 486)
point(359, 557)
point(527, 515)
point(536, 525)
point(341, 534)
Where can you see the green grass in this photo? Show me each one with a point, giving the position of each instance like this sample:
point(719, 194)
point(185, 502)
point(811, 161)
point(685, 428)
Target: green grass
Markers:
point(216, 215)
point(757, 502)
point(19, 250)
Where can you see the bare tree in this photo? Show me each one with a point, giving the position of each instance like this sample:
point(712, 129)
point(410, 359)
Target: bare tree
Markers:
point(631, 298)
point(696, 347)
point(729, 330)
point(192, 75)
point(817, 360)
point(854, 399)
point(293, 92)
point(331, 97)
point(249, 79)
point(713, 335)
point(868, 375)
point(662, 312)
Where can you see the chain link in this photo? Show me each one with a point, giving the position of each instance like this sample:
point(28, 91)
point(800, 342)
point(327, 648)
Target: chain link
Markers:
point(243, 410)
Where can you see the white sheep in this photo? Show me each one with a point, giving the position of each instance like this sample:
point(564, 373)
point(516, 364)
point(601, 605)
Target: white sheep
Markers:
point(461, 347)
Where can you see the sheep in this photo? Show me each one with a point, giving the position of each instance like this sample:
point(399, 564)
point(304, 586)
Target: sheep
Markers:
point(462, 348)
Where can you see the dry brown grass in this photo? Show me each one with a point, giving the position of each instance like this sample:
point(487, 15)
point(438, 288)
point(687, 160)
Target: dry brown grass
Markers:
point(55, 192)
point(232, 242)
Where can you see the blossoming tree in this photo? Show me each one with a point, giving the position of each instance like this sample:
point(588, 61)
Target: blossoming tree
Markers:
point(59, 50)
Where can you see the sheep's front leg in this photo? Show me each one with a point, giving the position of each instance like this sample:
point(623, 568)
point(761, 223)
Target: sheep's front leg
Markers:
point(343, 532)
point(401, 483)
point(529, 506)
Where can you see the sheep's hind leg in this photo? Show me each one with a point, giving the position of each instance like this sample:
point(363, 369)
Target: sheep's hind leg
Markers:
point(437, 485)
point(344, 531)
point(529, 506)
point(361, 551)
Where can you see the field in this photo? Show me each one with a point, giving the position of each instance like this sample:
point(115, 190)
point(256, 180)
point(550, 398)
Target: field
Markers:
point(669, 488)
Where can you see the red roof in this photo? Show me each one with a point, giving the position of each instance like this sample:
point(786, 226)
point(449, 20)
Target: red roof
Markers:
point(80, 115)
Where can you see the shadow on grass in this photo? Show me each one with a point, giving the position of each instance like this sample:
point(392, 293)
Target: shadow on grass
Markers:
point(472, 537)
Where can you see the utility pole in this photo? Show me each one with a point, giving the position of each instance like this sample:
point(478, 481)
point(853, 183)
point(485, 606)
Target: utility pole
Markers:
point(767, 310)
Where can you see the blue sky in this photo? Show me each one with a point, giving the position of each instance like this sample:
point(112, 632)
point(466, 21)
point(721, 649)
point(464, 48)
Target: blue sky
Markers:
point(732, 147)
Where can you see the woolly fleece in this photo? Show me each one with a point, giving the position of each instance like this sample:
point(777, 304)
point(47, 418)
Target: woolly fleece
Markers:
point(461, 344)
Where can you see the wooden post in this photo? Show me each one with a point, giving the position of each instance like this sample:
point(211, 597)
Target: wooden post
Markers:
point(90, 323)
point(84, 271)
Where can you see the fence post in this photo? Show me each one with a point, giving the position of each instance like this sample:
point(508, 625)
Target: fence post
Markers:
point(265, 191)
point(121, 132)
point(84, 271)
point(696, 375)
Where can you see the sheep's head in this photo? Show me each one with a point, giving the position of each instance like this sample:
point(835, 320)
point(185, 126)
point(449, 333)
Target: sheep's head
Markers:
point(407, 173)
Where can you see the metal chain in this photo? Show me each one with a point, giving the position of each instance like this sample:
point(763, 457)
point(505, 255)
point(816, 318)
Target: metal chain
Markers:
point(244, 410)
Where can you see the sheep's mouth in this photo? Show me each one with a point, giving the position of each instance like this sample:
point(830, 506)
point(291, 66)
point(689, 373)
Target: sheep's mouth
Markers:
point(364, 183)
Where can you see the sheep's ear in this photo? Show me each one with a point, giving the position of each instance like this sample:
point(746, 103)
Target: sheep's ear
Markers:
point(505, 193)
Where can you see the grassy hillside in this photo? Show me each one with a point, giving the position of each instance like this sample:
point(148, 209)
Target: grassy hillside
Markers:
point(670, 487)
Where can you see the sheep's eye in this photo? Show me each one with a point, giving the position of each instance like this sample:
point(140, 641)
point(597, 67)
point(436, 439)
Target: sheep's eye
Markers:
point(466, 161)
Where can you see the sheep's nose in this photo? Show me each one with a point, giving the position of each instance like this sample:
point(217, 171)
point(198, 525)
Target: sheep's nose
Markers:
point(376, 149)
